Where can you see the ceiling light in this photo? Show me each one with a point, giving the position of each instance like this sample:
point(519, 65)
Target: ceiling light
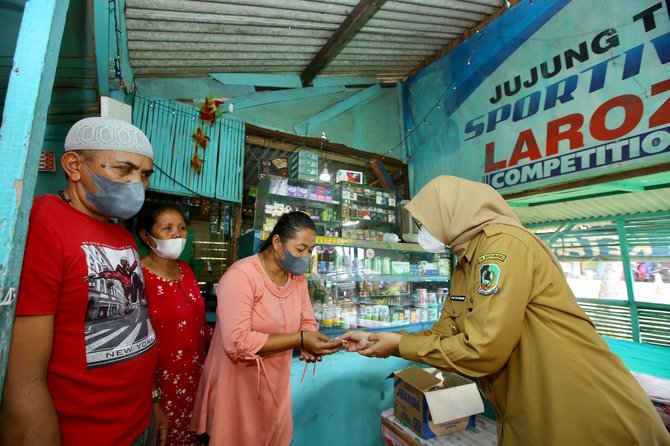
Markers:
point(325, 175)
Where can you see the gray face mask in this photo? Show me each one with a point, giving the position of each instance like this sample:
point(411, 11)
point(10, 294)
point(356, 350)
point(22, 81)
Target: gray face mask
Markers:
point(114, 199)
point(292, 264)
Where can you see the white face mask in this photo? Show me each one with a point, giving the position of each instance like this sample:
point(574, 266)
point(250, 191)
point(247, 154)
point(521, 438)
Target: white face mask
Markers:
point(169, 248)
point(428, 241)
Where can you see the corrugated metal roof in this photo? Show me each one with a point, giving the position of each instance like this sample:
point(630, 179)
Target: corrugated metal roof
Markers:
point(186, 38)
point(608, 206)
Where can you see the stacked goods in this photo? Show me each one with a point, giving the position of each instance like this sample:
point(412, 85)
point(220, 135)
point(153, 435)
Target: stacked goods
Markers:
point(304, 165)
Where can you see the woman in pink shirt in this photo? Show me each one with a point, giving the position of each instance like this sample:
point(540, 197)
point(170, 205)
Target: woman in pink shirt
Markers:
point(263, 314)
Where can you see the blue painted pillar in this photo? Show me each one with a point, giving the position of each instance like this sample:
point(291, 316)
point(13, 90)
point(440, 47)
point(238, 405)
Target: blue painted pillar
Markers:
point(628, 277)
point(21, 137)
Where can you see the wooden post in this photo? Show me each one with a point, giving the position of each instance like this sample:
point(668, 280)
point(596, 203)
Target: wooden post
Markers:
point(21, 137)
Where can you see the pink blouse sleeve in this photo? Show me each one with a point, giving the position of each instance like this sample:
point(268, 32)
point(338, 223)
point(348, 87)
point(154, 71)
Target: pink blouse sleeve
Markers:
point(307, 320)
point(235, 301)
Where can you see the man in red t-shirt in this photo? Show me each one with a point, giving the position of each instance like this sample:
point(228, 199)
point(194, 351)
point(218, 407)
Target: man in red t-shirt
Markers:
point(81, 362)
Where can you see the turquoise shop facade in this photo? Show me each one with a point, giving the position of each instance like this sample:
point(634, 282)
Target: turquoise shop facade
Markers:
point(500, 108)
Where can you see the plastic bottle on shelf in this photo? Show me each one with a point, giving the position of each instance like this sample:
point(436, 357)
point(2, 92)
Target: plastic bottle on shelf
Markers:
point(326, 322)
point(344, 318)
point(314, 262)
point(330, 261)
point(338, 261)
point(443, 265)
point(432, 306)
point(353, 316)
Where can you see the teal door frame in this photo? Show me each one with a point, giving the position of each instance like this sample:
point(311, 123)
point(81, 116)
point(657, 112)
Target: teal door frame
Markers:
point(21, 136)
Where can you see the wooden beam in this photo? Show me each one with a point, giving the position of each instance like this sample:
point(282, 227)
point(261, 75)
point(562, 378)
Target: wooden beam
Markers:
point(256, 79)
point(288, 147)
point(316, 143)
point(21, 137)
point(382, 175)
point(333, 81)
point(256, 99)
point(354, 22)
point(329, 113)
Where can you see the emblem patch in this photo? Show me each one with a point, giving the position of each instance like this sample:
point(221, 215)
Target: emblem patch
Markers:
point(457, 298)
point(489, 275)
point(492, 256)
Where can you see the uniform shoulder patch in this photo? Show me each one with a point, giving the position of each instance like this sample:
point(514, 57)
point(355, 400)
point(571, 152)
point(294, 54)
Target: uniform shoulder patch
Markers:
point(491, 256)
point(489, 276)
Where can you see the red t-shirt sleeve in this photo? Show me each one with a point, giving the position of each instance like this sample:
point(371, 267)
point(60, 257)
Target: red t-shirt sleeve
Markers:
point(42, 271)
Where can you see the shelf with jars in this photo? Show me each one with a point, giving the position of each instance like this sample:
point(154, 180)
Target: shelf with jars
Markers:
point(320, 201)
point(367, 212)
point(376, 285)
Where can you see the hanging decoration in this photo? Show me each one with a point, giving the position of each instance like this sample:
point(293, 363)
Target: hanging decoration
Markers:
point(200, 138)
point(209, 110)
point(197, 162)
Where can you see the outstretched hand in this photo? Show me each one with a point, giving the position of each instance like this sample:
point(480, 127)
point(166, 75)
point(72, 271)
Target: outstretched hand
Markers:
point(372, 345)
point(318, 344)
point(356, 340)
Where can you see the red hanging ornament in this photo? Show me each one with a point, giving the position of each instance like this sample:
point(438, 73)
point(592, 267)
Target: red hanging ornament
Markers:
point(209, 110)
point(197, 162)
point(200, 138)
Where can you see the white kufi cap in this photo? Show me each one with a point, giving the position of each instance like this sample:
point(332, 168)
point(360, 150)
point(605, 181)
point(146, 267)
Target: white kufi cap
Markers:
point(107, 134)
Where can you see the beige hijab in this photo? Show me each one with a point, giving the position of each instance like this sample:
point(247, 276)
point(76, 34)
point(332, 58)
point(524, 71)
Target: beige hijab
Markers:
point(454, 210)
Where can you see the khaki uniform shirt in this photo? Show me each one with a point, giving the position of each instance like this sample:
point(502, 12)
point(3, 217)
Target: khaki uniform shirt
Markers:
point(512, 322)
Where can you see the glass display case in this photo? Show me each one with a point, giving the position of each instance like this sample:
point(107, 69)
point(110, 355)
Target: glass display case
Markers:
point(367, 212)
point(352, 211)
point(320, 201)
point(376, 285)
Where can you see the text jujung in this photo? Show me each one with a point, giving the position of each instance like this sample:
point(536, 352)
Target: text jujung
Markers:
point(601, 43)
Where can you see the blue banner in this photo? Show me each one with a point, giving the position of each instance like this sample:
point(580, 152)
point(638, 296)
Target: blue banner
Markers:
point(550, 92)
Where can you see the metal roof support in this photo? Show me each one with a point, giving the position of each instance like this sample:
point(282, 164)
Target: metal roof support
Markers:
point(270, 97)
point(356, 20)
point(325, 115)
point(628, 276)
point(567, 226)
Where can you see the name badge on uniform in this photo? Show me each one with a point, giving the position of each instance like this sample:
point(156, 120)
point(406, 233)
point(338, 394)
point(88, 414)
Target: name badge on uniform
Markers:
point(457, 298)
point(489, 276)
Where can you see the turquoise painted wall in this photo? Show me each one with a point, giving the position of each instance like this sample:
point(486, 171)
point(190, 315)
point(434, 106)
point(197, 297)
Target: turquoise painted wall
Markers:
point(372, 126)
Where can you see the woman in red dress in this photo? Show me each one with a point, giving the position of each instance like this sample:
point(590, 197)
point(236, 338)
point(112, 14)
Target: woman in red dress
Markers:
point(177, 313)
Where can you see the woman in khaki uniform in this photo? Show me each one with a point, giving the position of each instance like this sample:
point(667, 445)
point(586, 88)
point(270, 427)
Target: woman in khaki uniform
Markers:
point(512, 322)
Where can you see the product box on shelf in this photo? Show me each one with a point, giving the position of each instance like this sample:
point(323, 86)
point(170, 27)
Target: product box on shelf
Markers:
point(434, 403)
point(350, 176)
point(304, 155)
point(275, 166)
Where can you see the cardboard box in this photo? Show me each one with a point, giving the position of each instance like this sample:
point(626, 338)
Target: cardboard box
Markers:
point(276, 166)
point(350, 176)
point(395, 433)
point(433, 403)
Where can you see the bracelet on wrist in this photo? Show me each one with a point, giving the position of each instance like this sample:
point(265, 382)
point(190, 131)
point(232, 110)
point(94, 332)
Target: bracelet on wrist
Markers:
point(156, 396)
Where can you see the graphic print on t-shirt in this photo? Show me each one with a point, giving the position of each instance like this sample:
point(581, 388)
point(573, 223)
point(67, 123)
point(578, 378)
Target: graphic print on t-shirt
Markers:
point(117, 326)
